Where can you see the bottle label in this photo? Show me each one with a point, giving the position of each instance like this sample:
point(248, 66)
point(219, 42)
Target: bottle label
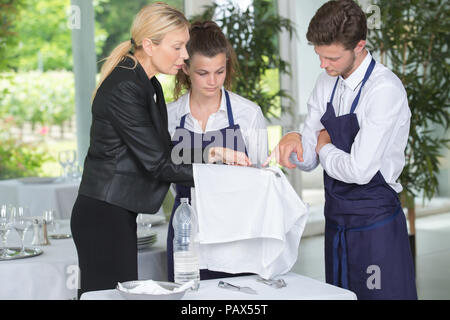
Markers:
point(185, 262)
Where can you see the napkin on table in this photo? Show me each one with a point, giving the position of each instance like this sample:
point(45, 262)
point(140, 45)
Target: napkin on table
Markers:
point(152, 287)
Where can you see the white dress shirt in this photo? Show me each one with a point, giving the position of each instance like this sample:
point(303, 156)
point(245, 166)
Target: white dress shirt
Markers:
point(383, 115)
point(246, 114)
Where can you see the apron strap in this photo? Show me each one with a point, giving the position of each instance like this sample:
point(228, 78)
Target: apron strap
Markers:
point(229, 111)
point(366, 76)
point(334, 90)
point(339, 239)
point(183, 120)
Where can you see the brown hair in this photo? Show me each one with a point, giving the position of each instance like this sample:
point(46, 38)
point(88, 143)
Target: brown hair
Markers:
point(341, 21)
point(207, 39)
point(153, 21)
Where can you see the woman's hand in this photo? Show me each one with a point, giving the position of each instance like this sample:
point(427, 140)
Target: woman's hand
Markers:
point(228, 156)
point(322, 139)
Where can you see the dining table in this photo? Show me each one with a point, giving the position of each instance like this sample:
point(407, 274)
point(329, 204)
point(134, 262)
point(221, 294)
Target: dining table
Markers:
point(54, 274)
point(40, 194)
point(298, 287)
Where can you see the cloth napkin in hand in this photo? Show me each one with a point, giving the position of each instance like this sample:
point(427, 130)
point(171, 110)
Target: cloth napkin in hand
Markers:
point(249, 219)
point(152, 287)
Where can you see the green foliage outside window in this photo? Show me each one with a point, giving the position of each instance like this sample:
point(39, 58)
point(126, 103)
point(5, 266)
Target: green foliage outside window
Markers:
point(18, 159)
point(115, 18)
point(413, 41)
point(38, 98)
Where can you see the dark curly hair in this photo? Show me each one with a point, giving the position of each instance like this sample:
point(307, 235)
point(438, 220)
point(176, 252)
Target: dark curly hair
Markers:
point(341, 21)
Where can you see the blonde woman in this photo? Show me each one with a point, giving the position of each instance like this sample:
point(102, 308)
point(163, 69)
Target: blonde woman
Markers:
point(128, 168)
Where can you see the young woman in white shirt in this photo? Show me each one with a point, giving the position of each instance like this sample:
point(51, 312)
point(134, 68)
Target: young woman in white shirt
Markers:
point(209, 114)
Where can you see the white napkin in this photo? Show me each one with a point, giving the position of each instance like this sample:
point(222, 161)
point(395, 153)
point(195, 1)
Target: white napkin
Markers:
point(249, 219)
point(152, 287)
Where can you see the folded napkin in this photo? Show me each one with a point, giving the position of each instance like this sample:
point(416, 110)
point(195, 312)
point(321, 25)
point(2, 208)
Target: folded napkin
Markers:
point(152, 287)
point(249, 219)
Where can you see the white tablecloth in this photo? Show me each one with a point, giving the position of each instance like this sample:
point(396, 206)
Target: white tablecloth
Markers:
point(298, 288)
point(53, 274)
point(58, 196)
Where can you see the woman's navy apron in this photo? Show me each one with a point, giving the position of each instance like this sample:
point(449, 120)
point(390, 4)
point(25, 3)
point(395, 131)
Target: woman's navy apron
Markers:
point(185, 192)
point(366, 241)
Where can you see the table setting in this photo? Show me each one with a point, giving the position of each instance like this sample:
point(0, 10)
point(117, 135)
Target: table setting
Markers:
point(47, 268)
point(264, 243)
point(23, 229)
point(32, 266)
point(39, 259)
point(294, 287)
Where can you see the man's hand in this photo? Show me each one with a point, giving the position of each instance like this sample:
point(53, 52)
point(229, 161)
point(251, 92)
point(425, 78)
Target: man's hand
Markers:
point(228, 156)
point(322, 139)
point(291, 142)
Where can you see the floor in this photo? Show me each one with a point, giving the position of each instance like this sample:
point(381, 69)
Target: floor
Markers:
point(432, 257)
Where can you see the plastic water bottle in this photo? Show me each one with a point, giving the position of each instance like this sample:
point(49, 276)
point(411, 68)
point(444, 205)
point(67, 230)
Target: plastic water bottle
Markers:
point(185, 249)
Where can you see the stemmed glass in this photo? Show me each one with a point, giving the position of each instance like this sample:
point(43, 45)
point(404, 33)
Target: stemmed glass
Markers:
point(66, 158)
point(75, 172)
point(21, 224)
point(4, 230)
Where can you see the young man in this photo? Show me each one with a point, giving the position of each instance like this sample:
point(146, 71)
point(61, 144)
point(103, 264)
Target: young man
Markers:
point(357, 127)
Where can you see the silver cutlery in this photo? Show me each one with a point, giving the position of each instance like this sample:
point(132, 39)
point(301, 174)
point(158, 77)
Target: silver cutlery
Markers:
point(279, 283)
point(226, 285)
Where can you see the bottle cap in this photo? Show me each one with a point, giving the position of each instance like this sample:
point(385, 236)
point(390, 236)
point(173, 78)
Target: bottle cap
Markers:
point(184, 200)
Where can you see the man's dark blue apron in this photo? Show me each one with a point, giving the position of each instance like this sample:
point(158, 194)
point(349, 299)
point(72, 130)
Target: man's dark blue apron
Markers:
point(231, 137)
point(366, 242)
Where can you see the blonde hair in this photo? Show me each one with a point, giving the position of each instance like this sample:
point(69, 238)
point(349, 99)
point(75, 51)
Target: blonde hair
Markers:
point(153, 21)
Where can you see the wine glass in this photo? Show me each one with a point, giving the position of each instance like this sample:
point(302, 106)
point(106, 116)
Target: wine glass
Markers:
point(75, 172)
point(71, 157)
point(63, 162)
point(21, 224)
point(4, 230)
point(66, 158)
